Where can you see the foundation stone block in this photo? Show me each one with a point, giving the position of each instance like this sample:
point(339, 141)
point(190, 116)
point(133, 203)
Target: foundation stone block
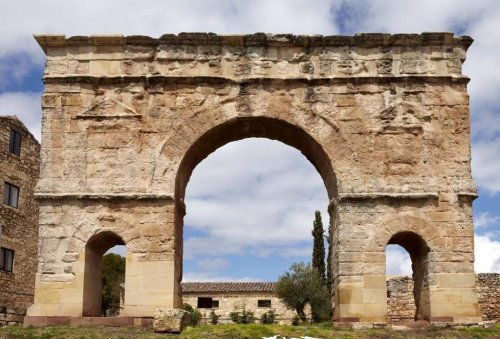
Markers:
point(168, 320)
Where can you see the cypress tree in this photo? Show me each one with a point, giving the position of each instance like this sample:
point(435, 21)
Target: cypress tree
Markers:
point(318, 255)
point(329, 275)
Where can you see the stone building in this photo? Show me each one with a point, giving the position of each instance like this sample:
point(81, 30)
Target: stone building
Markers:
point(383, 118)
point(19, 169)
point(226, 297)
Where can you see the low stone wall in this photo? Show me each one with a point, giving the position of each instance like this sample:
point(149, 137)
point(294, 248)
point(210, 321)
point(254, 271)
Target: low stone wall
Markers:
point(11, 316)
point(489, 295)
point(401, 305)
point(400, 301)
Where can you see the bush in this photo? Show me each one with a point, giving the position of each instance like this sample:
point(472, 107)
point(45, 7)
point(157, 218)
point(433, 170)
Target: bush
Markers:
point(243, 317)
point(268, 318)
point(193, 315)
point(296, 320)
point(301, 286)
point(214, 318)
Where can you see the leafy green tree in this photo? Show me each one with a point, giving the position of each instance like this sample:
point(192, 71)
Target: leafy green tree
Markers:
point(303, 285)
point(318, 255)
point(113, 274)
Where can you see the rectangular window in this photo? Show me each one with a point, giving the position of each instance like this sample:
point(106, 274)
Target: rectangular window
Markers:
point(264, 303)
point(204, 302)
point(10, 194)
point(215, 303)
point(6, 259)
point(15, 142)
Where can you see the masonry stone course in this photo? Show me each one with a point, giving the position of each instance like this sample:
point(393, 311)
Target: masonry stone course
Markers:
point(383, 118)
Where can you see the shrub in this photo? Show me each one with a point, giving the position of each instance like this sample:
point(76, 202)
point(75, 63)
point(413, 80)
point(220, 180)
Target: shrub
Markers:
point(243, 317)
point(268, 318)
point(193, 315)
point(214, 318)
point(296, 320)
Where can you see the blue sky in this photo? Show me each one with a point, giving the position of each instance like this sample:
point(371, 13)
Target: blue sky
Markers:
point(249, 222)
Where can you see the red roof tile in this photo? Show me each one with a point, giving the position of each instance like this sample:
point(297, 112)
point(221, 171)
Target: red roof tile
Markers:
point(214, 287)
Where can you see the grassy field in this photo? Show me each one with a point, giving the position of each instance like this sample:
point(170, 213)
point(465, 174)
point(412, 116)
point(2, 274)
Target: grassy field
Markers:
point(242, 331)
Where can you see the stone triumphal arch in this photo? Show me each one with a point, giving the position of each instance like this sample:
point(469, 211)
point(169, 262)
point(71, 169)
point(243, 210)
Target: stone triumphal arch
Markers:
point(383, 118)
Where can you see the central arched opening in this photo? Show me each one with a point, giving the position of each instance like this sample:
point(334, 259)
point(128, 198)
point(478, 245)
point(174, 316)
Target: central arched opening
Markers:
point(244, 139)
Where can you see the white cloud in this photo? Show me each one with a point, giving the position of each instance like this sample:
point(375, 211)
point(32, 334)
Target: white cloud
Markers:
point(14, 70)
point(26, 106)
point(487, 254)
point(118, 249)
point(397, 261)
point(254, 196)
point(212, 264)
point(486, 164)
point(208, 277)
point(417, 16)
point(485, 125)
point(22, 18)
point(485, 219)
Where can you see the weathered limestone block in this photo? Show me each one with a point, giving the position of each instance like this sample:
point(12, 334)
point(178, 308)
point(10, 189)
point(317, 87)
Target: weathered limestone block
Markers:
point(168, 320)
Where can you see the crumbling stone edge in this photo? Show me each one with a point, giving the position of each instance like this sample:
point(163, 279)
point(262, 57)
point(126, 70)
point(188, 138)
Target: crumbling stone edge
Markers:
point(169, 320)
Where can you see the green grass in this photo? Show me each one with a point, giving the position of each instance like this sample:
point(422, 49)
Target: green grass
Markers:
point(326, 330)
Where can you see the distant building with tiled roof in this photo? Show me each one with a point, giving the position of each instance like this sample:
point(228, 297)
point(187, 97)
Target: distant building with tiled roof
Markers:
point(226, 297)
point(202, 287)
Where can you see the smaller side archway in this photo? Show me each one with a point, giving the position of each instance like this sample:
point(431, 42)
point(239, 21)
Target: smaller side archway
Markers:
point(95, 248)
point(418, 250)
